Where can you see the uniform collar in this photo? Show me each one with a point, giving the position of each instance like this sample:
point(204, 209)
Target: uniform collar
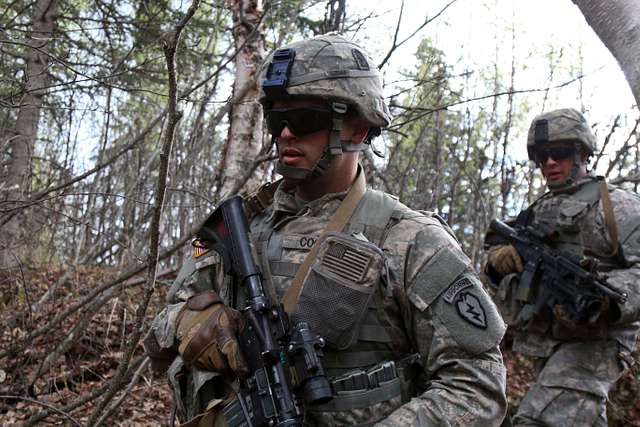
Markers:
point(286, 203)
point(570, 189)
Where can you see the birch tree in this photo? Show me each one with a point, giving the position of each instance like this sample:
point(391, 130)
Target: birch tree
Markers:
point(245, 128)
point(617, 23)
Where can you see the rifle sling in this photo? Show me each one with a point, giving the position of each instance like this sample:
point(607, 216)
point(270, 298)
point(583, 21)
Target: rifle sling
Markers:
point(337, 223)
point(609, 218)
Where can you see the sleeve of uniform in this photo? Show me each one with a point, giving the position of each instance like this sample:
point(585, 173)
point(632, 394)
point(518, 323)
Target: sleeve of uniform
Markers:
point(196, 275)
point(627, 214)
point(160, 342)
point(457, 329)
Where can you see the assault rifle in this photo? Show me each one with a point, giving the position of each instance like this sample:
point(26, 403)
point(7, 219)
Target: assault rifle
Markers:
point(565, 278)
point(284, 359)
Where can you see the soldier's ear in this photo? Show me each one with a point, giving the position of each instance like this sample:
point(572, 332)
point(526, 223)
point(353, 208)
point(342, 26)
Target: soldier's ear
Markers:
point(359, 134)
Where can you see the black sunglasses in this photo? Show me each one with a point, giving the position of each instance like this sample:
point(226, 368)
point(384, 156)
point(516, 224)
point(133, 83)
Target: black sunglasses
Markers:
point(556, 153)
point(301, 121)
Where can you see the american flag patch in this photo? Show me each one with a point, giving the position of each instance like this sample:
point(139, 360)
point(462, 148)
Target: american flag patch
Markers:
point(199, 248)
point(346, 262)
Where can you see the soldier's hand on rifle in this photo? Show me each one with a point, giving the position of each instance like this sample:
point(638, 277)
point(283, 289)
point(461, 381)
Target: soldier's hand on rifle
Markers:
point(504, 259)
point(208, 330)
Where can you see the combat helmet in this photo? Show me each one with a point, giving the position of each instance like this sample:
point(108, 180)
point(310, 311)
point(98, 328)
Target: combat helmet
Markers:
point(566, 124)
point(333, 69)
point(563, 125)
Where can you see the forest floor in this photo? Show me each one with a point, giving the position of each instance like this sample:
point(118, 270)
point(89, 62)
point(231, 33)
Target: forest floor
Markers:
point(91, 360)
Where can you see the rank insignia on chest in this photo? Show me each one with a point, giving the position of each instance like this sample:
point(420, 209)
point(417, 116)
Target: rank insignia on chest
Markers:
point(199, 248)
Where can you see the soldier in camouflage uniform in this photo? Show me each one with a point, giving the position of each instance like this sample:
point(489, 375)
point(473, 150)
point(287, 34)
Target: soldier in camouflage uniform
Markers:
point(577, 362)
point(411, 336)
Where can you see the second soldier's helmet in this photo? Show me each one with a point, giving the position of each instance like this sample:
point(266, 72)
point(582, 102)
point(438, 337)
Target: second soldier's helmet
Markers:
point(327, 67)
point(563, 125)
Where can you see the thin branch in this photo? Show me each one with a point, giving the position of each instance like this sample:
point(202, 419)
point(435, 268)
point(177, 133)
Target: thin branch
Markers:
point(125, 393)
point(46, 405)
point(622, 152)
point(607, 139)
point(427, 111)
point(170, 45)
point(40, 195)
point(396, 45)
point(81, 400)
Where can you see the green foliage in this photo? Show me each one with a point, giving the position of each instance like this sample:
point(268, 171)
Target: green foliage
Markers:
point(446, 155)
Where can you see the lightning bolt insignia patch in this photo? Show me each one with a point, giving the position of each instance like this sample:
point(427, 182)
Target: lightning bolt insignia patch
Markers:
point(470, 309)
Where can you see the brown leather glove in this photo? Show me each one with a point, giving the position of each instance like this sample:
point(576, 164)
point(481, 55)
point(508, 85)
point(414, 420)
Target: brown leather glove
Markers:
point(505, 259)
point(208, 331)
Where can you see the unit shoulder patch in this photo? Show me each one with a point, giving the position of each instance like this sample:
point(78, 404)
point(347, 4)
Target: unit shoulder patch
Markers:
point(469, 315)
point(470, 309)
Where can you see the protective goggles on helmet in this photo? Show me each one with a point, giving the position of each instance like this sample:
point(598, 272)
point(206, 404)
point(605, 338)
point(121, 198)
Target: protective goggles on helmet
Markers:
point(542, 154)
point(301, 121)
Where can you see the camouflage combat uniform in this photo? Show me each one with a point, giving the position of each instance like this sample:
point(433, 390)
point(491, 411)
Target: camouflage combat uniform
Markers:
point(419, 301)
point(576, 369)
point(576, 365)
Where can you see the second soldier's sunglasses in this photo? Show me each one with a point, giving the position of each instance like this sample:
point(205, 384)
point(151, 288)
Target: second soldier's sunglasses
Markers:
point(556, 153)
point(300, 120)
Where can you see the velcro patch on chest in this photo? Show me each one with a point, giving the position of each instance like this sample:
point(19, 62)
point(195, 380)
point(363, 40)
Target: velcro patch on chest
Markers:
point(302, 242)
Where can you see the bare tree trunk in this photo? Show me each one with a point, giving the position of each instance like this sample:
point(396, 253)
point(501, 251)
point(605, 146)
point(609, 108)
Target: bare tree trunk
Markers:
point(245, 130)
point(334, 16)
point(617, 23)
point(21, 142)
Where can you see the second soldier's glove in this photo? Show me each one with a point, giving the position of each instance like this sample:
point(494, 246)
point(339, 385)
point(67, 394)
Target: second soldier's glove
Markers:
point(505, 259)
point(208, 330)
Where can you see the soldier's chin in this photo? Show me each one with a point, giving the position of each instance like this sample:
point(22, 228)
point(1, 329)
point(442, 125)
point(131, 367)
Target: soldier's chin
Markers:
point(556, 179)
point(556, 183)
point(292, 176)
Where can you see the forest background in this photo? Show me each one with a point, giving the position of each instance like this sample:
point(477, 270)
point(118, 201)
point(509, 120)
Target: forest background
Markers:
point(123, 123)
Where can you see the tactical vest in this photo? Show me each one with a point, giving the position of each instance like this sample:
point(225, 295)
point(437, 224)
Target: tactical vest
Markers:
point(571, 223)
point(571, 220)
point(361, 357)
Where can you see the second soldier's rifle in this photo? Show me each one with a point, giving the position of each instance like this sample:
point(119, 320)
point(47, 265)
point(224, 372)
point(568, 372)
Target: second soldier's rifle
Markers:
point(564, 278)
point(284, 359)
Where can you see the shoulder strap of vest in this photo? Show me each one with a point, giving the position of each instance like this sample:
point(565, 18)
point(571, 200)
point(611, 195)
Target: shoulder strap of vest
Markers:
point(590, 192)
point(256, 203)
point(373, 214)
point(609, 218)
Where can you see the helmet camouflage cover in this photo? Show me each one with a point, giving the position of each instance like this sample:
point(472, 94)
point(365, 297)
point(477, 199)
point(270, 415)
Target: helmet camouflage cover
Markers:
point(566, 124)
point(327, 67)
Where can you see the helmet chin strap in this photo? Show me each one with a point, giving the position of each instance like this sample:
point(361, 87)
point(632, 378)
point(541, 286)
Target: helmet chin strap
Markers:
point(335, 148)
